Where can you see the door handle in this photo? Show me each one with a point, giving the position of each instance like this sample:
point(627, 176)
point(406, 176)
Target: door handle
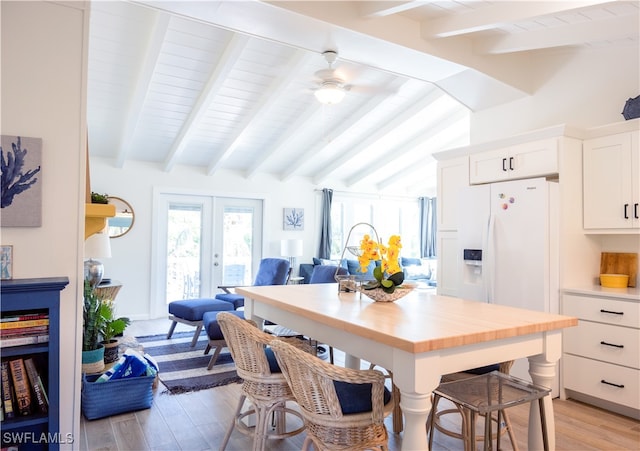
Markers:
point(626, 214)
point(511, 163)
point(504, 164)
point(635, 210)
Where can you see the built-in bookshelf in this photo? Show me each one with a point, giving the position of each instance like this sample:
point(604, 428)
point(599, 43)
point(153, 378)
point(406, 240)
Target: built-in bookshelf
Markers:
point(35, 303)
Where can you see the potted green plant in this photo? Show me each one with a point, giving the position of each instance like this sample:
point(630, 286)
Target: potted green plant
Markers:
point(92, 324)
point(111, 327)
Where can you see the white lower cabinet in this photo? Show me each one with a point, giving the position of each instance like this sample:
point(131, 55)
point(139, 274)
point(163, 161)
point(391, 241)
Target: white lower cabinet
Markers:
point(602, 380)
point(601, 356)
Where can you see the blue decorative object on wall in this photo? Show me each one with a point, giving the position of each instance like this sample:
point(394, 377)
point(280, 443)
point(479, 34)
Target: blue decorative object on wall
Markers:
point(20, 160)
point(631, 108)
point(294, 219)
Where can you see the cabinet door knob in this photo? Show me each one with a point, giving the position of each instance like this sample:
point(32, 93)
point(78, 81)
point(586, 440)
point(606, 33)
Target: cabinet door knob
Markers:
point(635, 210)
point(626, 214)
point(511, 163)
point(504, 164)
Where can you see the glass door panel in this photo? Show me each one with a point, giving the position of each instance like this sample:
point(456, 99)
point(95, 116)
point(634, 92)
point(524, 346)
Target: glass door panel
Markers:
point(239, 244)
point(184, 253)
point(203, 242)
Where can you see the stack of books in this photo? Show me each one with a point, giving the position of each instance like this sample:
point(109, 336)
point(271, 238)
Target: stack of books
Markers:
point(24, 329)
point(23, 392)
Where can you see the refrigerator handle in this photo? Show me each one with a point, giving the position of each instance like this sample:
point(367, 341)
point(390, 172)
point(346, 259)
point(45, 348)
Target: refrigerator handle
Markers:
point(489, 259)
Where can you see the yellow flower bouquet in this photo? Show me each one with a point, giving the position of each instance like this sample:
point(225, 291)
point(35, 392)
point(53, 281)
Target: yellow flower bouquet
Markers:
point(388, 274)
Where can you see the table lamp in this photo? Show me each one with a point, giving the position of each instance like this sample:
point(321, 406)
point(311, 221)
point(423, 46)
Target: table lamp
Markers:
point(96, 246)
point(291, 249)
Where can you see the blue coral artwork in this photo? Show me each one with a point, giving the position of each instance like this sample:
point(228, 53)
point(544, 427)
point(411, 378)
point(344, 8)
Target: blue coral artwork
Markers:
point(294, 219)
point(20, 160)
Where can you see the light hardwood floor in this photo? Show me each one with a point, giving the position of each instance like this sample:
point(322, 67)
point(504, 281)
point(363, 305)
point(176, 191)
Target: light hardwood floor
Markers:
point(198, 421)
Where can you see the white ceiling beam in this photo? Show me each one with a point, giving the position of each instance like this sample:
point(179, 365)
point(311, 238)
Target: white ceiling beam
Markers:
point(227, 61)
point(380, 132)
point(491, 17)
point(575, 34)
point(264, 105)
point(143, 83)
point(300, 126)
point(354, 118)
point(401, 149)
point(387, 8)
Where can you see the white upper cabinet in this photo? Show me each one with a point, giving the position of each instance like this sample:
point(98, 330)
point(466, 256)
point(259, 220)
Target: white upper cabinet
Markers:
point(611, 182)
point(452, 176)
point(524, 160)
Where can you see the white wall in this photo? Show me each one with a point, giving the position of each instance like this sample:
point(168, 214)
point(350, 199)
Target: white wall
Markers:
point(43, 95)
point(135, 183)
point(584, 89)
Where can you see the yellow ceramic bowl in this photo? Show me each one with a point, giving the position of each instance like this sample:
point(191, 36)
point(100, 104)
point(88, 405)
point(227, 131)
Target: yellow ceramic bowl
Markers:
point(614, 280)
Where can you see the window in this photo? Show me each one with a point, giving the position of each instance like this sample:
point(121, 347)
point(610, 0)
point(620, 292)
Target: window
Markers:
point(389, 216)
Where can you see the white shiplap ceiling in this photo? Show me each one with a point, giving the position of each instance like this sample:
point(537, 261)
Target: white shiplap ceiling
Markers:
point(228, 86)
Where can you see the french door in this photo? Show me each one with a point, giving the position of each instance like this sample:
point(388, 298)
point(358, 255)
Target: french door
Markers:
point(204, 242)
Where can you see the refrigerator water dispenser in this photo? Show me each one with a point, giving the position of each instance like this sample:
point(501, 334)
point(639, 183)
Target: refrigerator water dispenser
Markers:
point(472, 266)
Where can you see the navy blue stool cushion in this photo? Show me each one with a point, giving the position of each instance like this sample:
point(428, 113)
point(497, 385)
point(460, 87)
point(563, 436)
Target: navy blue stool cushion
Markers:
point(273, 363)
point(194, 309)
point(235, 299)
point(483, 369)
point(356, 398)
point(211, 325)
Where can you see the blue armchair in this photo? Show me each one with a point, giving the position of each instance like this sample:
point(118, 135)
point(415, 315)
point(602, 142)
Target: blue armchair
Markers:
point(272, 271)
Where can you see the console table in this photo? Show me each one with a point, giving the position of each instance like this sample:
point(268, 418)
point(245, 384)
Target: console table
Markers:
point(108, 290)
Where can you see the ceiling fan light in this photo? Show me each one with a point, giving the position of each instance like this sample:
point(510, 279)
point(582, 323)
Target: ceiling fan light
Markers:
point(329, 94)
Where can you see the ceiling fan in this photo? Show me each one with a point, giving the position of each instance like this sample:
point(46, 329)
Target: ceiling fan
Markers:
point(332, 82)
point(332, 88)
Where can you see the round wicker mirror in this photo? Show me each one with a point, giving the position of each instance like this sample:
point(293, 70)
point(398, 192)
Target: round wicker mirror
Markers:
point(122, 222)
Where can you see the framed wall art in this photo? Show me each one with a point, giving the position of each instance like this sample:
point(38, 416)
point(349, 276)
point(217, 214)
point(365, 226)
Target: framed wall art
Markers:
point(6, 262)
point(293, 219)
point(21, 181)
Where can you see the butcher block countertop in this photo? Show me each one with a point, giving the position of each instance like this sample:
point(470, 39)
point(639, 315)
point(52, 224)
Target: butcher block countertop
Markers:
point(419, 322)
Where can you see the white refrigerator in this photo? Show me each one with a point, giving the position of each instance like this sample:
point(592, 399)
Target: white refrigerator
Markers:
point(508, 247)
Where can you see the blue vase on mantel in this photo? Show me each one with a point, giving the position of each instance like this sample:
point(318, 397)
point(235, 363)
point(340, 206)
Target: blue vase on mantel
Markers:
point(93, 361)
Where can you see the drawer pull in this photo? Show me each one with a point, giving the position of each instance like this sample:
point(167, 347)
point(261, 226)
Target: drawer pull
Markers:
point(611, 383)
point(609, 311)
point(611, 344)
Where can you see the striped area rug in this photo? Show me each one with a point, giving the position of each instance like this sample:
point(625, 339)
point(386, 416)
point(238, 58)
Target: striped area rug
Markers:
point(183, 368)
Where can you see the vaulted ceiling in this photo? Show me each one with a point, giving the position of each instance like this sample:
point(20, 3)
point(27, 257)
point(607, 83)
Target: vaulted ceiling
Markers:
point(229, 85)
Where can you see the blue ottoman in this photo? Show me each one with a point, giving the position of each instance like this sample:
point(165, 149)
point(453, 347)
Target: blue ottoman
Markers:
point(216, 339)
point(236, 299)
point(190, 312)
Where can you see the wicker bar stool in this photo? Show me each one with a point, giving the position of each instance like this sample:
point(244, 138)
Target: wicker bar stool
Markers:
point(263, 382)
point(488, 393)
point(343, 408)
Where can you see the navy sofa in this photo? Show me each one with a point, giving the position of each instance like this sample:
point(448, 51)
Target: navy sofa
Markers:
point(413, 269)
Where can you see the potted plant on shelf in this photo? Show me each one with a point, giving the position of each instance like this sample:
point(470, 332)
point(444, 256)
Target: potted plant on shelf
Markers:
point(111, 328)
point(92, 324)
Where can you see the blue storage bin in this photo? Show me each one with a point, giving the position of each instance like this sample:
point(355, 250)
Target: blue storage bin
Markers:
point(103, 399)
